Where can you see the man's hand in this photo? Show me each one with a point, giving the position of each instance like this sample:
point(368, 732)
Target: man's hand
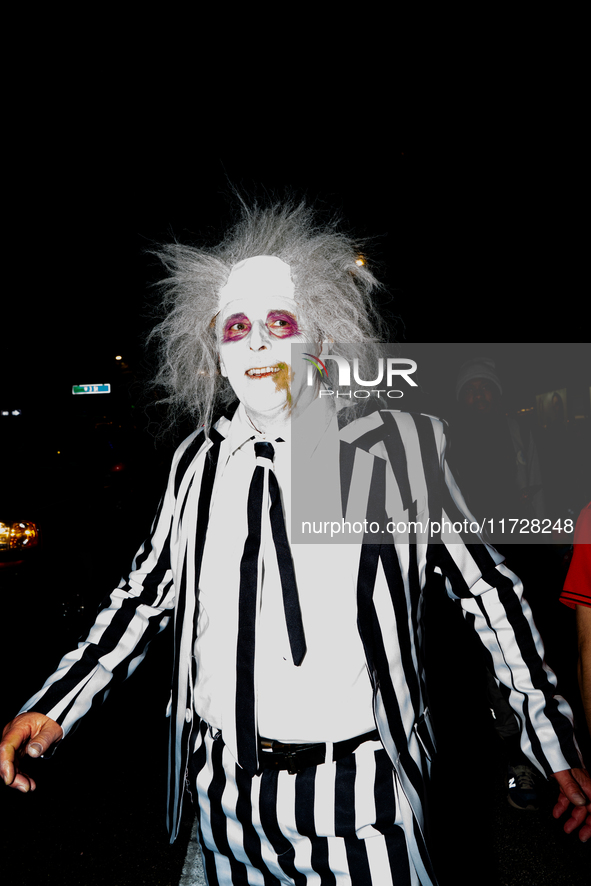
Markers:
point(31, 734)
point(575, 788)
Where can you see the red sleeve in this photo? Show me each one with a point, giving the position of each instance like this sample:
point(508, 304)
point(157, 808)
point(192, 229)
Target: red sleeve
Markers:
point(577, 585)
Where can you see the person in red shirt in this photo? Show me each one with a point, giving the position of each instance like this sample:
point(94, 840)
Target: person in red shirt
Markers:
point(577, 595)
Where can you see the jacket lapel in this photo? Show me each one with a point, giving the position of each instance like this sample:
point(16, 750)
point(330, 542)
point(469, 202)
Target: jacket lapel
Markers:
point(191, 530)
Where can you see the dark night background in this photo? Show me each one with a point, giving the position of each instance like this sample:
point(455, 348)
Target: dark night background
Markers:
point(471, 247)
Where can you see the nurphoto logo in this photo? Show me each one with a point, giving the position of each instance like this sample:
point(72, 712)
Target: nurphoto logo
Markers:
point(388, 369)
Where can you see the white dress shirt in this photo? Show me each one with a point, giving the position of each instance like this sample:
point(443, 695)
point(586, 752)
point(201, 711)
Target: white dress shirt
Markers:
point(329, 696)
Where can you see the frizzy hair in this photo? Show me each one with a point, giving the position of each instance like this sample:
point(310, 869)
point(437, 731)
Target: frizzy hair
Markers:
point(333, 290)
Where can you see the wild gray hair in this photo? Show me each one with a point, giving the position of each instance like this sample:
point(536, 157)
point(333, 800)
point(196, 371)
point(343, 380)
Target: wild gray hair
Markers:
point(333, 288)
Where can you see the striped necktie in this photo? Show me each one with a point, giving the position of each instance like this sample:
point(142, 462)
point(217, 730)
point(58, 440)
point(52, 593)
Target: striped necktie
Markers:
point(263, 488)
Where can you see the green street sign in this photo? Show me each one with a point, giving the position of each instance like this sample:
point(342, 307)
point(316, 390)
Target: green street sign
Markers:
point(91, 389)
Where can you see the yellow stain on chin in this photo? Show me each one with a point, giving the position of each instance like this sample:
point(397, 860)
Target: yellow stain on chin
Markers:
point(282, 381)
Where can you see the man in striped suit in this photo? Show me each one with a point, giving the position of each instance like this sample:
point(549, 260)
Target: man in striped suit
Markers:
point(299, 717)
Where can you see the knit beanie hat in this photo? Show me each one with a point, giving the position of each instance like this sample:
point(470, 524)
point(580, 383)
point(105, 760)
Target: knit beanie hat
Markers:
point(480, 367)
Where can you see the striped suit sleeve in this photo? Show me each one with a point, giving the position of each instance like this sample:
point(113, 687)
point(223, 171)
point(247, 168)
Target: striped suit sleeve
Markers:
point(136, 611)
point(491, 597)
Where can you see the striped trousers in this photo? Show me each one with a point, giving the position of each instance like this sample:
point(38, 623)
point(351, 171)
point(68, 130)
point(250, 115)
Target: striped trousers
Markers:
point(336, 824)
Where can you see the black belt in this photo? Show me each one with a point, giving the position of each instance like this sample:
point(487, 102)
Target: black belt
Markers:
point(295, 757)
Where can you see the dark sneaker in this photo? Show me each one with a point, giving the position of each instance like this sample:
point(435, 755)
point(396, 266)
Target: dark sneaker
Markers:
point(522, 787)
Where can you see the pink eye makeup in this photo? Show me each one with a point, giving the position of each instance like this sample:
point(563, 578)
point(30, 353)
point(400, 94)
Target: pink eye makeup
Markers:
point(235, 327)
point(281, 324)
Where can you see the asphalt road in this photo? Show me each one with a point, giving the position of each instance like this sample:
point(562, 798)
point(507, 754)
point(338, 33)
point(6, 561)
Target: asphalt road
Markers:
point(193, 874)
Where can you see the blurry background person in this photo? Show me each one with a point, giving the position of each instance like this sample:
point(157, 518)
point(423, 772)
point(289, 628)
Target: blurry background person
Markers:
point(500, 469)
point(500, 476)
point(564, 455)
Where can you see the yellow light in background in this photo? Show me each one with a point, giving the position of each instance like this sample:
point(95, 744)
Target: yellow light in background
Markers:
point(18, 536)
point(118, 357)
point(360, 261)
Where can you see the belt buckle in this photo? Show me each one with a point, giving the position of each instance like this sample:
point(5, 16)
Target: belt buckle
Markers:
point(290, 757)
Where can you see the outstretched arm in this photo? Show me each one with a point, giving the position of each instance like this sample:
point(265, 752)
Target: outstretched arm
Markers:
point(491, 599)
point(136, 611)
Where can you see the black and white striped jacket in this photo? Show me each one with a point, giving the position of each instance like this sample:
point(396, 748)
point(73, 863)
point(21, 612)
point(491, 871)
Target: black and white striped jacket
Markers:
point(407, 454)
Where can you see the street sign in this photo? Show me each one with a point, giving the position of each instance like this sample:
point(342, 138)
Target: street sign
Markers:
point(91, 389)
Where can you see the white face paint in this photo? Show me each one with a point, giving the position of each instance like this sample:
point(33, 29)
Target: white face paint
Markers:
point(259, 277)
point(258, 322)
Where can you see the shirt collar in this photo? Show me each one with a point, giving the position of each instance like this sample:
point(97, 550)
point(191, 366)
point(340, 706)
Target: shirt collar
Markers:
point(241, 431)
point(308, 430)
